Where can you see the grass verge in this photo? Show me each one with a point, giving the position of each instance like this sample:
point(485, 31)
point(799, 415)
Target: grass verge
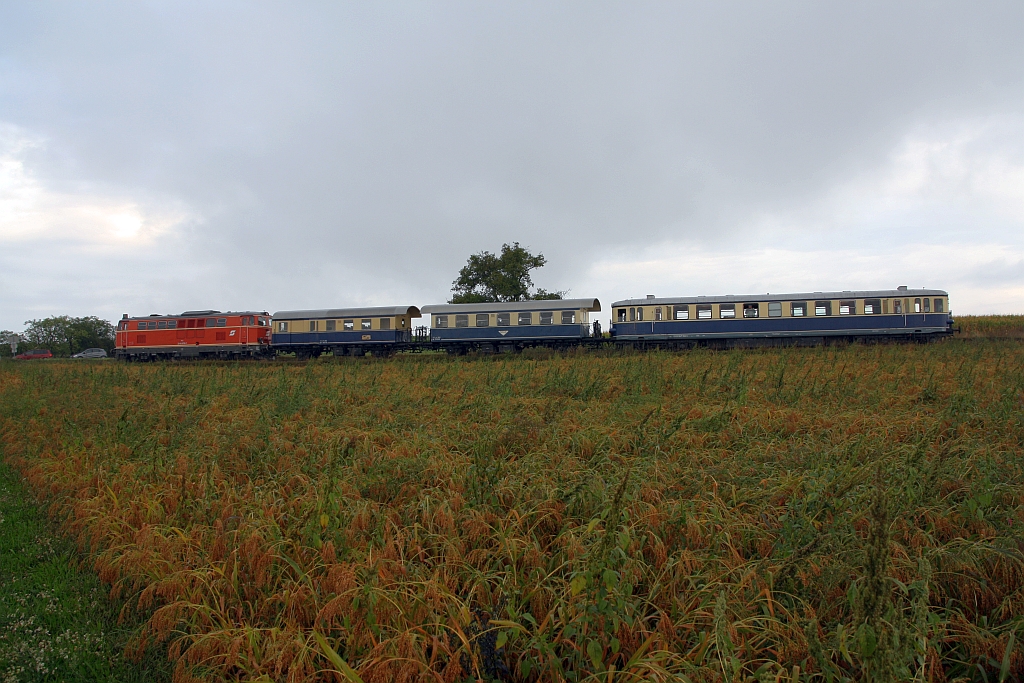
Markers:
point(56, 622)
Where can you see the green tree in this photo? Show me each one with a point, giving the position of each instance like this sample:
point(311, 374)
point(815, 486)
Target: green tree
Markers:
point(64, 335)
point(500, 277)
point(5, 344)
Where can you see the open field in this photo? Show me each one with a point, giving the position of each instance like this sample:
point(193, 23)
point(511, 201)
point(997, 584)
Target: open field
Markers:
point(844, 513)
point(990, 326)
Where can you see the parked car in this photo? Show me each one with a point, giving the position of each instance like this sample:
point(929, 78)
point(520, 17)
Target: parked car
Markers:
point(34, 353)
point(91, 353)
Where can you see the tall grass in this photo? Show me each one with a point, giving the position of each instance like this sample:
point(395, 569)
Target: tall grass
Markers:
point(990, 326)
point(797, 514)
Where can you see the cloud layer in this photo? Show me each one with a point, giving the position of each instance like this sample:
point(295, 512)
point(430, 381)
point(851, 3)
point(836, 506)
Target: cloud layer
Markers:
point(156, 157)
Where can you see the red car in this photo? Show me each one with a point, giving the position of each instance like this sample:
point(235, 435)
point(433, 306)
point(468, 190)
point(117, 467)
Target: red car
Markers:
point(34, 353)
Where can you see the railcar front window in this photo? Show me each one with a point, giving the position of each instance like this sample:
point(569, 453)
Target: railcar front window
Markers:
point(504, 319)
point(704, 312)
point(462, 320)
point(847, 308)
point(774, 309)
point(526, 318)
point(568, 317)
point(482, 319)
point(682, 313)
point(751, 310)
point(547, 317)
point(727, 311)
point(439, 321)
point(798, 310)
point(822, 308)
point(938, 305)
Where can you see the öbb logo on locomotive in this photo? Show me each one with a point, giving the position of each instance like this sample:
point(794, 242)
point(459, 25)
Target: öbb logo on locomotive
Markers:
point(900, 314)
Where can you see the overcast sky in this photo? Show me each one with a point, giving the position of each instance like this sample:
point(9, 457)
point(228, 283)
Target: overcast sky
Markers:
point(156, 157)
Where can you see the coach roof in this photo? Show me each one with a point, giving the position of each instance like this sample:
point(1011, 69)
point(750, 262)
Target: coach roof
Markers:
point(370, 312)
point(532, 305)
point(798, 296)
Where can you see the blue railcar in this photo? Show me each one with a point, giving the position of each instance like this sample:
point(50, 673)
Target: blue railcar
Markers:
point(760, 319)
point(510, 326)
point(343, 331)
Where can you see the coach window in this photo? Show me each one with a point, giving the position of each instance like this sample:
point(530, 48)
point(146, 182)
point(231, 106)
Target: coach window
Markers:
point(774, 309)
point(847, 308)
point(872, 306)
point(727, 310)
point(348, 325)
point(681, 312)
point(822, 308)
point(751, 310)
point(385, 324)
point(897, 306)
point(365, 323)
point(482, 319)
point(657, 313)
point(525, 319)
point(927, 306)
point(439, 321)
point(312, 326)
point(547, 318)
point(798, 309)
point(917, 305)
point(462, 320)
point(282, 326)
point(568, 317)
point(504, 319)
point(632, 314)
point(938, 305)
point(639, 313)
point(330, 325)
point(621, 315)
point(703, 311)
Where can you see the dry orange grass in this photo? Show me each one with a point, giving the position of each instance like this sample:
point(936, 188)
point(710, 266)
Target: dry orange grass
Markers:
point(834, 514)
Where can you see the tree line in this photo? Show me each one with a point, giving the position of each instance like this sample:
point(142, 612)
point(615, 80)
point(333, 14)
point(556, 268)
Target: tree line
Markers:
point(63, 335)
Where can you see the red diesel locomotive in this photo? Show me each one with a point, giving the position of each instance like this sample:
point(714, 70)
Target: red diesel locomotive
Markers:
point(194, 334)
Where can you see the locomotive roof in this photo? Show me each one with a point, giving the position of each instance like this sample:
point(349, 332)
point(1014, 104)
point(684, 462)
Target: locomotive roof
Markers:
point(533, 305)
point(369, 312)
point(193, 314)
point(798, 296)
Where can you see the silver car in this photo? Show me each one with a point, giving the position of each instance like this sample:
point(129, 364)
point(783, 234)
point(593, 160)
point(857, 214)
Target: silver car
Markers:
point(91, 353)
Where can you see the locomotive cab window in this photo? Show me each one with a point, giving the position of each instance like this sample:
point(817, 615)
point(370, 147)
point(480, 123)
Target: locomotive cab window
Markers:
point(847, 308)
point(927, 306)
point(385, 323)
point(439, 321)
point(482, 319)
point(798, 309)
point(681, 312)
point(330, 325)
point(568, 317)
point(462, 320)
point(526, 318)
point(751, 310)
point(162, 325)
point(504, 319)
point(822, 308)
point(938, 305)
point(703, 311)
point(872, 306)
point(547, 317)
point(622, 315)
point(727, 310)
point(775, 309)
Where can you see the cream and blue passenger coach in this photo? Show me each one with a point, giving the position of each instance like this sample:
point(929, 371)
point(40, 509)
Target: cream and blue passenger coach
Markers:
point(513, 324)
point(342, 331)
point(812, 316)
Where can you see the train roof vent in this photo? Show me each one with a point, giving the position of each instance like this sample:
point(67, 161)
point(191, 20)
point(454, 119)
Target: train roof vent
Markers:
point(650, 296)
point(199, 312)
point(902, 288)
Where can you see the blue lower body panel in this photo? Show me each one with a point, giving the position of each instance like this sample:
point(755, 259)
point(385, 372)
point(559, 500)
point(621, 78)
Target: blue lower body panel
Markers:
point(281, 339)
point(811, 326)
